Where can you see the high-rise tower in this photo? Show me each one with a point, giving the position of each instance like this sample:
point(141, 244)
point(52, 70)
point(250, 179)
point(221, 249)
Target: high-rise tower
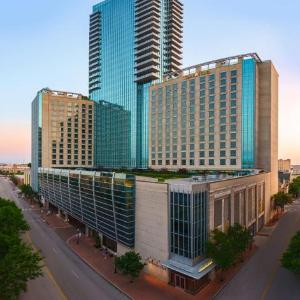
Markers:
point(133, 43)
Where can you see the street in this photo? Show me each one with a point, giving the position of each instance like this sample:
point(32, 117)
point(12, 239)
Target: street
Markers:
point(66, 275)
point(262, 277)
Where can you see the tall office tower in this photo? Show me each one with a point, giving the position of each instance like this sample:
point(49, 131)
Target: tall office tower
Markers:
point(133, 43)
point(62, 132)
point(220, 115)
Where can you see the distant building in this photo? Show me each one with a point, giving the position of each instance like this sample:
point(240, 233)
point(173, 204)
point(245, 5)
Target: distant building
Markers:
point(133, 43)
point(14, 168)
point(219, 115)
point(284, 165)
point(62, 132)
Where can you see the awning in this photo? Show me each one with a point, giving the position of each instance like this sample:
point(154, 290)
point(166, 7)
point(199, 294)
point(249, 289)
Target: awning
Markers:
point(197, 271)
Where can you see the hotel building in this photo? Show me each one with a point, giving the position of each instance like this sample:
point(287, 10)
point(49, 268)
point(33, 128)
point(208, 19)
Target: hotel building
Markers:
point(132, 44)
point(167, 223)
point(219, 115)
point(62, 132)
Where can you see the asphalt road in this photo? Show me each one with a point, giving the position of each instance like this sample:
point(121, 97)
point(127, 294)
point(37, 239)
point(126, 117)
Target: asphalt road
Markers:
point(66, 275)
point(262, 278)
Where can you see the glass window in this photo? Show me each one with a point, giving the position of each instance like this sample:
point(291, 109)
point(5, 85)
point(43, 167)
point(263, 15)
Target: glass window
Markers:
point(233, 73)
point(223, 74)
point(233, 162)
point(222, 153)
point(232, 152)
point(211, 162)
point(202, 154)
point(211, 153)
point(222, 162)
point(201, 162)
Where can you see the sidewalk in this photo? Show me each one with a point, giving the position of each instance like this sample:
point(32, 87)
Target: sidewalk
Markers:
point(146, 287)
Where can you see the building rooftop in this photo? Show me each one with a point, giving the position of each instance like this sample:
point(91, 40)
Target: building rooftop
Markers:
point(213, 64)
point(64, 94)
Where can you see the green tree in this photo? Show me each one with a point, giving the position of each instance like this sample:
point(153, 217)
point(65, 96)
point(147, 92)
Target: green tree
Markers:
point(14, 179)
point(130, 264)
point(294, 187)
point(221, 250)
point(11, 218)
point(240, 238)
point(281, 199)
point(18, 262)
point(291, 258)
point(28, 192)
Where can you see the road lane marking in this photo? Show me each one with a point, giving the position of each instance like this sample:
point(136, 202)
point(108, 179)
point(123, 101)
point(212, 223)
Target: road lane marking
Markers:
point(74, 273)
point(270, 282)
point(48, 272)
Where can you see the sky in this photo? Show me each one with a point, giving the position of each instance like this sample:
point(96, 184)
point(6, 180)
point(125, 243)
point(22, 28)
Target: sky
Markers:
point(45, 44)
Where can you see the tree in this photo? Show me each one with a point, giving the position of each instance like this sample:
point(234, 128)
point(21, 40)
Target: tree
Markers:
point(14, 179)
point(27, 191)
point(220, 249)
point(281, 199)
point(240, 238)
point(11, 218)
point(18, 262)
point(294, 187)
point(291, 258)
point(130, 264)
point(17, 266)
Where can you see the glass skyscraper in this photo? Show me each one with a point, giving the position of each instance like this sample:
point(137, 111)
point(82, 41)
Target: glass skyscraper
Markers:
point(133, 43)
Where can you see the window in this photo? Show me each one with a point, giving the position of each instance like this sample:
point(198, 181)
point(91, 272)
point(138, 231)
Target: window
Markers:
point(223, 97)
point(233, 73)
point(233, 144)
point(211, 162)
point(223, 75)
point(201, 162)
point(192, 162)
point(211, 153)
point(233, 80)
point(233, 136)
point(223, 82)
point(222, 145)
point(174, 162)
point(211, 77)
point(202, 146)
point(222, 153)
point(202, 154)
point(232, 152)
point(183, 162)
point(233, 162)
point(211, 146)
point(233, 96)
point(222, 162)
point(211, 138)
point(223, 136)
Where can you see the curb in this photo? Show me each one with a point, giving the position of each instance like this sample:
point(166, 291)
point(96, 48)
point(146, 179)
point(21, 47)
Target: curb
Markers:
point(95, 270)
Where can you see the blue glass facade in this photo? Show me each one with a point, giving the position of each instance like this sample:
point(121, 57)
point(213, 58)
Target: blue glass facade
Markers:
point(248, 113)
point(36, 139)
point(118, 75)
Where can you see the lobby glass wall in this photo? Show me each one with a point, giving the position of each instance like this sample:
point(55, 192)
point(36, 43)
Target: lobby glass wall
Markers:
point(104, 202)
point(188, 223)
